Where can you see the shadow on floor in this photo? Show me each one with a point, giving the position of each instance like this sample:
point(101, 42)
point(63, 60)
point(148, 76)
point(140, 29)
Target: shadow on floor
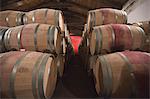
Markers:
point(75, 82)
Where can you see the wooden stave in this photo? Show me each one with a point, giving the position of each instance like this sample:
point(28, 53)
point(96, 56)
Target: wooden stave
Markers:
point(92, 61)
point(9, 19)
point(143, 37)
point(144, 25)
point(4, 86)
point(34, 29)
point(130, 74)
point(63, 46)
point(2, 33)
point(146, 46)
point(121, 33)
point(58, 20)
point(135, 58)
point(60, 62)
point(54, 73)
point(99, 32)
point(3, 19)
point(13, 37)
point(18, 20)
point(93, 17)
point(112, 45)
point(100, 42)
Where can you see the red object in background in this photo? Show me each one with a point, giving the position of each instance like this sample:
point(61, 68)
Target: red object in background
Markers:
point(75, 43)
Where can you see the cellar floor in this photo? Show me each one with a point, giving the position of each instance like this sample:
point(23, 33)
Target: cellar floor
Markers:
point(75, 82)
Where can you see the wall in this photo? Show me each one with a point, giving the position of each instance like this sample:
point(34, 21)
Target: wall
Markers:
point(139, 12)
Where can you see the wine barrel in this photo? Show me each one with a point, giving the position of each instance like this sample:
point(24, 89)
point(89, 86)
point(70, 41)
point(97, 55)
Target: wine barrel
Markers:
point(68, 42)
point(146, 46)
point(105, 16)
point(2, 32)
point(27, 75)
point(92, 61)
point(67, 35)
point(123, 75)
point(34, 37)
point(145, 25)
point(60, 62)
point(85, 28)
point(11, 18)
point(45, 16)
point(64, 40)
point(116, 37)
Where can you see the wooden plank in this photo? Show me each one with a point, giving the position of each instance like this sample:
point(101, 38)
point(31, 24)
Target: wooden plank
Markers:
point(21, 5)
point(92, 4)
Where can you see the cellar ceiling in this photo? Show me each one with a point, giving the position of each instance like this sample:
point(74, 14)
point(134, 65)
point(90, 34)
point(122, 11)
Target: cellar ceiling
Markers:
point(75, 11)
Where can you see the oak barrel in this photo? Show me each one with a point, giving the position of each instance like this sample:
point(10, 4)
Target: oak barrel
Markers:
point(11, 18)
point(2, 33)
point(45, 16)
point(116, 37)
point(27, 75)
point(63, 46)
point(60, 62)
point(123, 75)
point(145, 25)
point(146, 46)
point(34, 37)
point(105, 16)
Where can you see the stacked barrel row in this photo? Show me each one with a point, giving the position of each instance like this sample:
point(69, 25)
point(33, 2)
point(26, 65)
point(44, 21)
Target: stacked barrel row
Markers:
point(37, 44)
point(27, 74)
point(145, 25)
point(117, 73)
point(12, 18)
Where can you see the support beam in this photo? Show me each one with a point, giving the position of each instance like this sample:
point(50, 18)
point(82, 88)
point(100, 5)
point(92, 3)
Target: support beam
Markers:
point(76, 13)
point(131, 5)
point(23, 4)
point(113, 2)
point(92, 4)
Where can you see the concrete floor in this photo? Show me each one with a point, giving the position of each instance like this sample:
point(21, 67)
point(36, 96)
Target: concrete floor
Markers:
point(75, 82)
